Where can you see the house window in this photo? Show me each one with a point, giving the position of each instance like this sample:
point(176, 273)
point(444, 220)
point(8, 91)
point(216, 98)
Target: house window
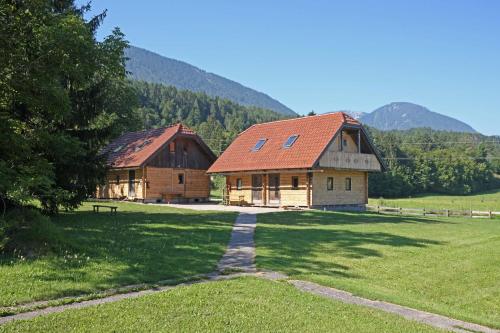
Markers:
point(180, 178)
point(290, 141)
point(117, 179)
point(295, 183)
point(259, 144)
point(344, 143)
point(329, 184)
point(348, 184)
point(239, 184)
point(171, 147)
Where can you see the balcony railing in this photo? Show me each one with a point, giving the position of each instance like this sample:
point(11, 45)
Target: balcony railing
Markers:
point(354, 161)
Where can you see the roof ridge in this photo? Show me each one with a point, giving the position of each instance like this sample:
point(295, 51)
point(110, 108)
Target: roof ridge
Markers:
point(146, 130)
point(298, 118)
point(184, 129)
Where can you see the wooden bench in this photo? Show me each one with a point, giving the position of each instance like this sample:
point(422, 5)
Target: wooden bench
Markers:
point(112, 208)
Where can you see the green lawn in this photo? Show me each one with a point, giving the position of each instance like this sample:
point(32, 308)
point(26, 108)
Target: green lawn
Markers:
point(142, 243)
point(484, 201)
point(448, 266)
point(240, 305)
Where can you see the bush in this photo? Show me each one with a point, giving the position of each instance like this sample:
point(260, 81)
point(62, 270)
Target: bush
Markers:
point(28, 232)
point(217, 185)
point(3, 234)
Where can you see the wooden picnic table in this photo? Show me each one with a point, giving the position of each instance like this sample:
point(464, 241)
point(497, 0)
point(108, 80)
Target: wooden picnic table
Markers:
point(112, 208)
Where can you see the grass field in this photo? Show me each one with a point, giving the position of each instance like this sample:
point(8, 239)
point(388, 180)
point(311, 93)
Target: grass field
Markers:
point(484, 201)
point(447, 266)
point(139, 244)
point(241, 305)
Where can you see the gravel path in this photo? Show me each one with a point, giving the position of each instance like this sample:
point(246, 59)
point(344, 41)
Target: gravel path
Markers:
point(431, 319)
point(240, 253)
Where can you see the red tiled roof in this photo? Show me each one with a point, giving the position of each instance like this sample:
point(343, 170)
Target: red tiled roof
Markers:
point(315, 133)
point(134, 148)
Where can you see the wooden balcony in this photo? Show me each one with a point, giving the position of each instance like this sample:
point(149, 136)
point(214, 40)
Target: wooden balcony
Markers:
point(353, 161)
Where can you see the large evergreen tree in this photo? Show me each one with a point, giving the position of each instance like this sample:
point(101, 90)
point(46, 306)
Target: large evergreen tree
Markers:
point(63, 94)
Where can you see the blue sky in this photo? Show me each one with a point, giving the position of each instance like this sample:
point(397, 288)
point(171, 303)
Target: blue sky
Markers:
point(334, 55)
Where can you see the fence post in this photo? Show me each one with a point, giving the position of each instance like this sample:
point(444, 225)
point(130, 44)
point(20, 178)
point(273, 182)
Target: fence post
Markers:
point(424, 211)
point(489, 214)
point(447, 213)
point(471, 213)
point(378, 209)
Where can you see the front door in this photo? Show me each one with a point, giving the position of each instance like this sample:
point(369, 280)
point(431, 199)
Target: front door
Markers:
point(257, 189)
point(274, 189)
point(131, 183)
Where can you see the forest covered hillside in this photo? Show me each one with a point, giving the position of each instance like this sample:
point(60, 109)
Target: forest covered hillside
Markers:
point(216, 120)
point(429, 161)
point(144, 65)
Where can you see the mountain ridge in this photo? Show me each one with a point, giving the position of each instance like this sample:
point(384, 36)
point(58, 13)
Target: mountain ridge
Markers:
point(148, 66)
point(406, 115)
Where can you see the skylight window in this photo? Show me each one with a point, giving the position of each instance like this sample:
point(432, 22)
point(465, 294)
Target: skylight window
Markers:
point(142, 145)
point(290, 141)
point(117, 149)
point(259, 144)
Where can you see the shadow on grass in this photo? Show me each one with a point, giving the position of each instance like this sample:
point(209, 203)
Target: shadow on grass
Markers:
point(319, 218)
point(105, 250)
point(308, 242)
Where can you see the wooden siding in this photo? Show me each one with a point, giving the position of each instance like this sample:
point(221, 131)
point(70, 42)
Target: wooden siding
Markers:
point(112, 190)
point(348, 156)
point(353, 161)
point(351, 147)
point(339, 196)
point(163, 183)
point(319, 196)
point(197, 184)
point(245, 194)
point(290, 196)
point(187, 154)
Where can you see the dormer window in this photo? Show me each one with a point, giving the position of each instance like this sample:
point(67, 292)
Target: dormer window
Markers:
point(290, 141)
point(259, 144)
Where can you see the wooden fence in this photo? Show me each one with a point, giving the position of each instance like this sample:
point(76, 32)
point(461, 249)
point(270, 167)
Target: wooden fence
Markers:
point(432, 212)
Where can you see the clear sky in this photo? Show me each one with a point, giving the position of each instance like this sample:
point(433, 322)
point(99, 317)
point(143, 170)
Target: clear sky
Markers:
point(334, 55)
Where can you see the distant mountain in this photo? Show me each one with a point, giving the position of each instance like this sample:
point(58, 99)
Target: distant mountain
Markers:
point(403, 116)
point(147, 66)
point(355, 114)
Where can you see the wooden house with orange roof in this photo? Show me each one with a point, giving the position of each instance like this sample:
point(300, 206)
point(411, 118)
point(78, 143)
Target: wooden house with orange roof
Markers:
point(159, 165)
point(318, 161)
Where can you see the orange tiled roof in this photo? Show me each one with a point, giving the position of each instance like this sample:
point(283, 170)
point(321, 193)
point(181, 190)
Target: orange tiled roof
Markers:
point(314, 135)
point(134, 148)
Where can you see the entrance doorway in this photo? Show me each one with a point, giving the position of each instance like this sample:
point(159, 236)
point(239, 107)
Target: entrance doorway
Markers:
point(131, 183)
point(274, 189)
point(257, 189)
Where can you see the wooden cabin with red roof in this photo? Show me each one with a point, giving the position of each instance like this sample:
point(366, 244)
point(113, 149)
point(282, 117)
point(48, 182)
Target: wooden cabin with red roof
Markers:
point(159, 165)
point(318, 161)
